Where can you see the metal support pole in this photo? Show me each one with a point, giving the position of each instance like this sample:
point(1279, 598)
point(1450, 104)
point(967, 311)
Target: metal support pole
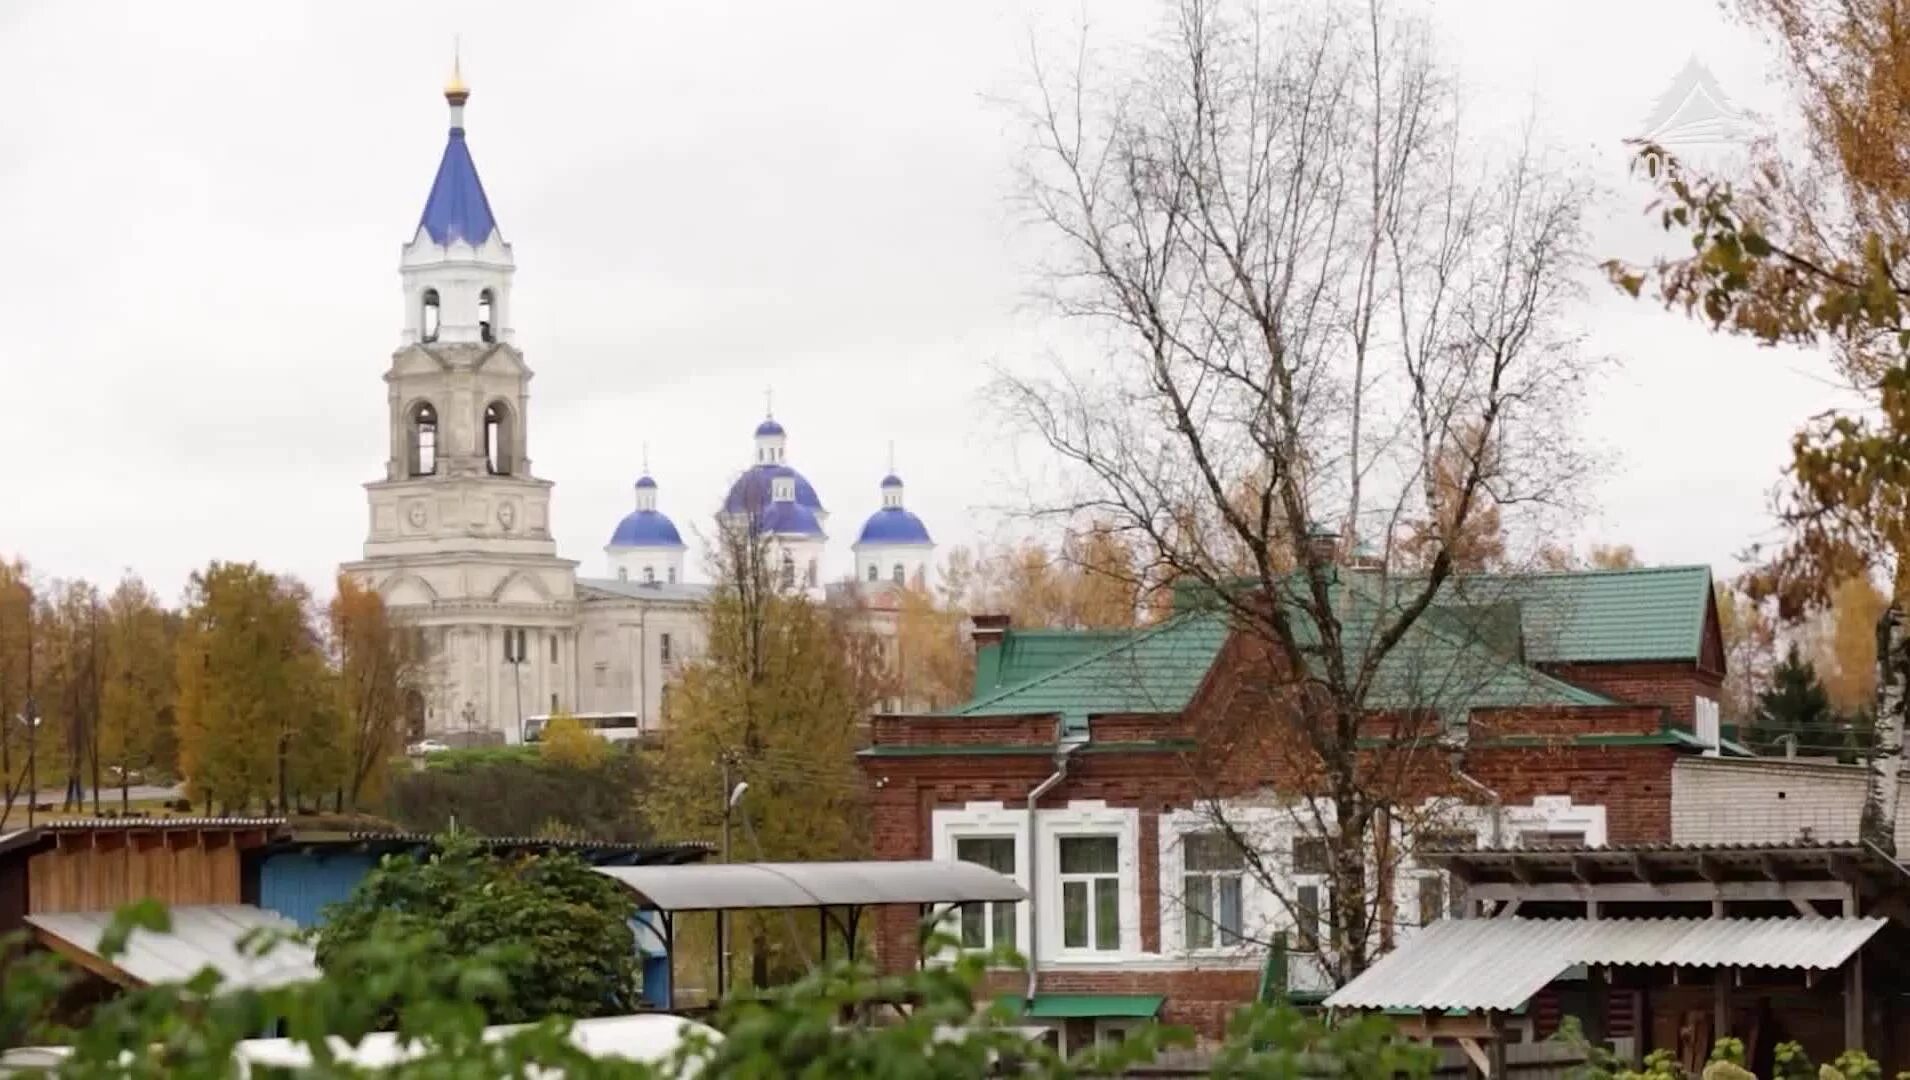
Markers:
point(33, 751)
point(722, 914)
point(669, 962)
point(1853, 987)
point(1720, 1003)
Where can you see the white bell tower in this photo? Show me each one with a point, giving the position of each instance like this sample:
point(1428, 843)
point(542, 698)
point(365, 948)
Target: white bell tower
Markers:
point(460, 541)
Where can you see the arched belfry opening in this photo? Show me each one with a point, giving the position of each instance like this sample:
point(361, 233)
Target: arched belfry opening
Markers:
point(421, 440)
point(498, 438)
point(428, 316)
point(487, 317)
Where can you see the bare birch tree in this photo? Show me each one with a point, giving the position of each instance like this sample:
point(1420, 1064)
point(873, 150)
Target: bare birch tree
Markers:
point(1320, 311)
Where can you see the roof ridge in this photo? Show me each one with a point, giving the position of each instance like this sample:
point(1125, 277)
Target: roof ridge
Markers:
point(1592, 571)
point(1138, 635)
point(1531, 673)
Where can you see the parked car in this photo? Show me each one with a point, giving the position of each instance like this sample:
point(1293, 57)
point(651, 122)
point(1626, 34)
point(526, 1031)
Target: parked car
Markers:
point(426, 746)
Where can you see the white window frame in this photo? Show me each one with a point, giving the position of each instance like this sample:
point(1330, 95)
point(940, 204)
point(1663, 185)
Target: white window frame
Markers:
point(1015, 838)
point(1555, 813)
point(984, 819)
point(1089, 817)
point(1323, 882)
point(1707, 723)
point(1178, 883)
point(1091, 888)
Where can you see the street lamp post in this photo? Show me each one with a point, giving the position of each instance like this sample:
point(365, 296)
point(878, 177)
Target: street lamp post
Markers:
point(32, 718)
point(514, 655)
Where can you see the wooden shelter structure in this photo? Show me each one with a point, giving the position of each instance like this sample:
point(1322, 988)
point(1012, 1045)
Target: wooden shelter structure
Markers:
point(1664, 946)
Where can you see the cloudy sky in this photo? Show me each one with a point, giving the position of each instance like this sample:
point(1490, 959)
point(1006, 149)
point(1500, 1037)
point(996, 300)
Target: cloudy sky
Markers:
point(203, 205)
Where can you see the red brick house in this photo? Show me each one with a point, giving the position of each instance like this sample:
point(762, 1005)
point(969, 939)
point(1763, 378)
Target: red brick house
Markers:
point(1087, 765)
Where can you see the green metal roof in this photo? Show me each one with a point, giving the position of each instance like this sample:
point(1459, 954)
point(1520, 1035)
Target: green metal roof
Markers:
point(1088, 1006)
point(1455, 657)
point(1152, 670)
point(1604, 616)
point(1452, 658)
point(1024, 654)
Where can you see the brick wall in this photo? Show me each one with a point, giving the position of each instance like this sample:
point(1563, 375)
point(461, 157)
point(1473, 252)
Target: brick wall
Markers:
point(1138, 728)
point(1633, 783)
point(962, 730)
point(1675, 686)
point(1245, 740)
point(1491, 723)
point(1747, 801)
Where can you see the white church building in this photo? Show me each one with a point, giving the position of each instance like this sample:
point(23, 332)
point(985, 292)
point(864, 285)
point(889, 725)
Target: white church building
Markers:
point(460, 541)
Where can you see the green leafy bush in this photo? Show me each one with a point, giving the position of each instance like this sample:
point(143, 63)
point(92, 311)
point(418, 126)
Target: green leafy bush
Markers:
point(557, 931)
point(515, 791)
point(824, 1026)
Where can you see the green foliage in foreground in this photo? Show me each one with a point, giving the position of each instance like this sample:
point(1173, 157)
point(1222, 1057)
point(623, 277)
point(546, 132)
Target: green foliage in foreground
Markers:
point(558, 932)
point(835, 1024)
point(1727, 1062)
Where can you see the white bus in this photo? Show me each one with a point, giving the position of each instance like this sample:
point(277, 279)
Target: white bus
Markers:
point(613, 727)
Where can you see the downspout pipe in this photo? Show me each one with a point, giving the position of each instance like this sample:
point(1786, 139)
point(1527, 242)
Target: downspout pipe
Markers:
point(1034, 878)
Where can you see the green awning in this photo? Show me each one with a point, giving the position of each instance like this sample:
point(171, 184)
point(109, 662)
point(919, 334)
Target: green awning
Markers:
point(1089, 1006)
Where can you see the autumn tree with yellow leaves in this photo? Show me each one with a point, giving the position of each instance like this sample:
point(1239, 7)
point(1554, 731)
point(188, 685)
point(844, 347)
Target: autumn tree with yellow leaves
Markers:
point(1812, 248)
point(377, 663)
point(258, 719)
point(776, 701)
point(136, 692)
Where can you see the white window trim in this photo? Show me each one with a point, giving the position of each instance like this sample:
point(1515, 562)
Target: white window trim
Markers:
point(984, 819)
point(1173, 863)
point(1127, 1027)
point(1555, 813)
point(1089, 817)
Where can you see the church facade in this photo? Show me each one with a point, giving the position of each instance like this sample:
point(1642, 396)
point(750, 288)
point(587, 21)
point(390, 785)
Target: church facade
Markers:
point(459, 539)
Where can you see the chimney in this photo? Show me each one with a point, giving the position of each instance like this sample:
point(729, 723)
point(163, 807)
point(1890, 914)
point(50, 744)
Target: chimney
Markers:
point(1323, 544)
point(987, 631)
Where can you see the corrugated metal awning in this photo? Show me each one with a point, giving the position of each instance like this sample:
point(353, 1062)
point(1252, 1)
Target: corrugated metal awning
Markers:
point(212, 936)
point(1497, 964)
point(711, 886)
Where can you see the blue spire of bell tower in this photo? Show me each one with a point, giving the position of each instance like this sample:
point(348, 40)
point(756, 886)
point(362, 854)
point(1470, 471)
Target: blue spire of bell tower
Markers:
point(457, 208)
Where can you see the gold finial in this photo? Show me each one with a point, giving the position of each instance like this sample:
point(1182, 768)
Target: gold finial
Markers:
point(455, 91)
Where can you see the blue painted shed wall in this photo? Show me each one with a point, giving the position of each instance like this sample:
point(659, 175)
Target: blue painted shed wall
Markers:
point(656, 982)
point(299, 885)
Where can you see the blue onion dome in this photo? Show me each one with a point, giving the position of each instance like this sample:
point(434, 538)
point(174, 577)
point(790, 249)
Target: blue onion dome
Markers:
point(891, 481)
point(646, 528)
point(752, 490)
point(784, 518)
point(646, 484)
point(769, 426)
point(893, 525)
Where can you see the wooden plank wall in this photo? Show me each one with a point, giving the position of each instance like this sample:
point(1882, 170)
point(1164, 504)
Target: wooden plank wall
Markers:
point(103, 869)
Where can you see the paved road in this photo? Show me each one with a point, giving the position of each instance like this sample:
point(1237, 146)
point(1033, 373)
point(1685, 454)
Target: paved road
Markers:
point(138, 793)
point(108, 799)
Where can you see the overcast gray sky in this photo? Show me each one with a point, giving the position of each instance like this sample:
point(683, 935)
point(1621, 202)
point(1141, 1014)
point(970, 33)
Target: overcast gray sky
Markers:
point(204, 204)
